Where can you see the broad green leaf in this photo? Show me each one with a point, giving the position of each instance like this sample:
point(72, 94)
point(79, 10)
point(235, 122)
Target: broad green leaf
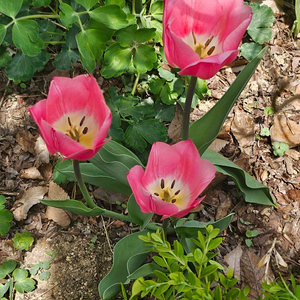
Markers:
point(49, 31)
point(25, 34)
point(259, 28)
point(159, 29)
point(116, 61)
point(134, 140)
point(87, 4)
point(135, 212)
point(4, 56)
point(250, 50)
point(93, 175)
point(22, 282)
point(156, 10)
point(206, 129)
point(10, 7)
point(2, 33)
point(67, 15)
point(156, 84)
point(144, 58)
point(115, 160)
point(44, 275)
point(40, 3)
point(144, 35)
point(66, 58)
point(75, 207)
point(110, 15)
point(5, 219)
point(254, 192)
point(6, 268)
point(23, 67)
point(3, 289)
point(130, 248)
point(125, 36)
point(91, 44)
point(190, 228)
point(120, 3)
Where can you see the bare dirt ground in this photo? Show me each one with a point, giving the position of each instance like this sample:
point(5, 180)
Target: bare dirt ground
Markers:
point(81, 261)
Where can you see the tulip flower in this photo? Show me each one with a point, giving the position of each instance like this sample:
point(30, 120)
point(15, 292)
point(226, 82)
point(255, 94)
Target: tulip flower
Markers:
point(202, 36)
point(74, 120)
point(174, 177)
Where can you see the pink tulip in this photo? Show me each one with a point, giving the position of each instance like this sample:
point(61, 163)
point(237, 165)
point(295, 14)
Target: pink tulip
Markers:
point(201, 36)
point(173, 179)
point(74, 120)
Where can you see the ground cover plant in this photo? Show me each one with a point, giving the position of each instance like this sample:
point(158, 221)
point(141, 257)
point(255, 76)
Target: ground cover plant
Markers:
point(120, 143)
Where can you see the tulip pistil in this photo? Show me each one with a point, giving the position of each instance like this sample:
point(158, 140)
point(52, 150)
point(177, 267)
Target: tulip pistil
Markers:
point(75, 132)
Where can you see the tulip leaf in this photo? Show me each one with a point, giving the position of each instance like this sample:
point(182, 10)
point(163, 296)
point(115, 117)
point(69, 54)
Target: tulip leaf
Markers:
point(25, 34)
point(136, 214)
point(259, 28)
point(129, 254)
point(93, 175)
point(205, 130)
point(254, 192)
point(110, 15)
point(22, 67)
point(145, 271)
point(75, 207)
point(116, 60)
point(10, 8)
point(189, 228)
point(115, 160)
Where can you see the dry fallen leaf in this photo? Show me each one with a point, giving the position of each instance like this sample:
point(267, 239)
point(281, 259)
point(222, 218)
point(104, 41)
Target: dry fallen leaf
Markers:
point(31, 173)
point(218, 144)
point(60, 216)
point(26, 141)
point(233, 259)
point(31, 197)
point(41, 152)
point(174, 130)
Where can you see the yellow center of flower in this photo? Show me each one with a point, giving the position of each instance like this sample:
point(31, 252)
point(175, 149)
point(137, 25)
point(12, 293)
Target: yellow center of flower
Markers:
point(79, 128)
point(203, 50)
point(170, 191)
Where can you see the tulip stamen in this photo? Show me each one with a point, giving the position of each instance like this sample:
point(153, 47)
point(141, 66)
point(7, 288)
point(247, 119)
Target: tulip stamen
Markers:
point(173, 183)
point(81, 122)
point(85, 130)
point(202, 49)
point(69, 121)
point(176, 193)
point(208, 42)
point(211, 50)
point(162, 184)
point(173, 200)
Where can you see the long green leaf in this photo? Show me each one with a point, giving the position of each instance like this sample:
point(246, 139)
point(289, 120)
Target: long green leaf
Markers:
point(128, 251)
point(206, 129)
point(93, 175)
point(254, 192)
point(115, 160)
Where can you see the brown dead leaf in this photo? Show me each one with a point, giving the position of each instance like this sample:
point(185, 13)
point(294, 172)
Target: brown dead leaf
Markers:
point(284, 130)
point(26, 141)
point(233, 259)
point(41, 152)
point(225, 204)
point(174, 130)
point(60, 216)
point(31, 197)
point(251, 275)
point(242, 128)
point(31, 173)
point(218, 144)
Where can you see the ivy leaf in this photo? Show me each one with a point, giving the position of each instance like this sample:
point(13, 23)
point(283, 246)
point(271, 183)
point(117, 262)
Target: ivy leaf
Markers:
point(22, 67)
point(2, 33)
point(25, 34)
point(10, 8)
point(116, 61)
point(156, 10)
point(87, 4)
point(44, 275)
point(5, 219)
point(7, 267)
point(22, 282)
point(40, 3)
point(23, 241)
point(91, 44)
point(259, 28)
point(144, 58)
point(67, 15)
point(3, 289)
point(110, 15)
point(144, 35)
point(64, 60)
point(134, 140)
point(125, 36)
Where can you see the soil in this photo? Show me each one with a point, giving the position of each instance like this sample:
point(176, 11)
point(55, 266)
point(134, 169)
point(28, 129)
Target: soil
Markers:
point(83, 246)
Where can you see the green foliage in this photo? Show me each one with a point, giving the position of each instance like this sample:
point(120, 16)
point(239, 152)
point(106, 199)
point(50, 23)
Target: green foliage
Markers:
point(268, 111)
point(5, 217)
point(89, 31)
point(265, 131)
point(279, 148)
point(22, 241)
point(259, 30)
point(191, 275)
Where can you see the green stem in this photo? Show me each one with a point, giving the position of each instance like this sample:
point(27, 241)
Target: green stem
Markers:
point(187, 108)
point(135, 83)
point(82, 186)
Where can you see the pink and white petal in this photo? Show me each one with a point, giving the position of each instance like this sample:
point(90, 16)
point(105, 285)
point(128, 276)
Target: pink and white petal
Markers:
point(142, 196)
point(184, 212)
point(160, 207)
point(103, 130)
point(38, 111)
point(163, 161)
point(207, 67)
